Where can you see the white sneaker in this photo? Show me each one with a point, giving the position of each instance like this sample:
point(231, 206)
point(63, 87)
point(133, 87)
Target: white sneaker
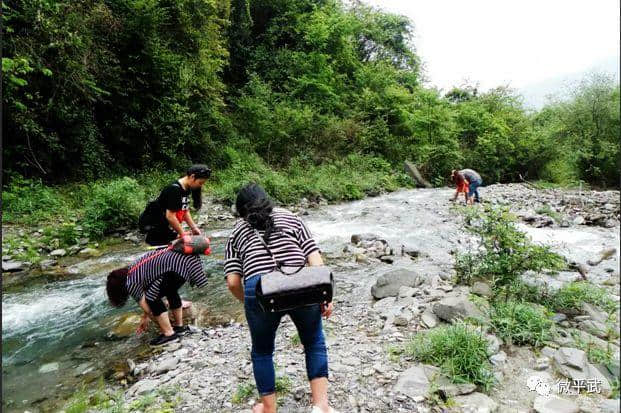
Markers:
point(318, 410)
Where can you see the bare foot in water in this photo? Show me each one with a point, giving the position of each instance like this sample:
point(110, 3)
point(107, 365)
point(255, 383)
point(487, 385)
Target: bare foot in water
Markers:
point(186, 304)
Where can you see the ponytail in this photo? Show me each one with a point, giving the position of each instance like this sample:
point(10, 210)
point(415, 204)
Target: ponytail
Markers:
point(197, 198)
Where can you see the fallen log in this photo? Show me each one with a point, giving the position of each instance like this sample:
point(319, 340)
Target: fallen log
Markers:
point(412, 170)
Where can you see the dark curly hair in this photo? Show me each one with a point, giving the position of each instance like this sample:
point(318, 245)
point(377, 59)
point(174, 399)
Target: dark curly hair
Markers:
point(255, 206)
point(116, 288)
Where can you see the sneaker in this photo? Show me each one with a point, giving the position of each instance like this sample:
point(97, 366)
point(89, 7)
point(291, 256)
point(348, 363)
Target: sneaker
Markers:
point(181, 329)
point(162, 339)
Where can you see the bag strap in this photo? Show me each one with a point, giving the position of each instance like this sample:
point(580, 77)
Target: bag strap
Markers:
point(277, 263)
point(144, 261)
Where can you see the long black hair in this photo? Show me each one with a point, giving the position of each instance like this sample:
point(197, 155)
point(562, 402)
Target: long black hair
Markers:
point(255, 206)
point(199, 171)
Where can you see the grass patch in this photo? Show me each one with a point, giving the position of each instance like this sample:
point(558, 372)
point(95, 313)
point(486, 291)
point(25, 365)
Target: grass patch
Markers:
point(458, 350)
point(163, 400)
point(571, 296)
point(521, 323)
point(244, 392)
point(545, 209)
point(295, 340)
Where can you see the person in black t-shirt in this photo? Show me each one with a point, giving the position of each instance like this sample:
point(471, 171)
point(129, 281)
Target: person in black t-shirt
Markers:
point(175, 203)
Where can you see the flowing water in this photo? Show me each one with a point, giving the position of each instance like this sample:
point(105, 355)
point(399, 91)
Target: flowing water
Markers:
point(56, 333)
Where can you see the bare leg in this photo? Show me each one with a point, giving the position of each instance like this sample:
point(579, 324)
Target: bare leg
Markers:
point(164, 322)
point(178, 314)
point(267, 405)
point(319, 391)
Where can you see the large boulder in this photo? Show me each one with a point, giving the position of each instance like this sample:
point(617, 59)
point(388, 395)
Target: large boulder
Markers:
point(572, 364)
point(415, 382)
point(388, 285)
point(127, 325)
point(456, 308)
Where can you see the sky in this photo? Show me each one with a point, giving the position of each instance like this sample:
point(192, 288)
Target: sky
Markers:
point(528, 44)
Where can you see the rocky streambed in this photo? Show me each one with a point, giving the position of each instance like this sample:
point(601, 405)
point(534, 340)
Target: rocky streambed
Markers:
point(394, 280)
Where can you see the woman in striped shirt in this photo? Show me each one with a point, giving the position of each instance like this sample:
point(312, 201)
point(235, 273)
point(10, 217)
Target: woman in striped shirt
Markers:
point(246, 259)
point(155, 275)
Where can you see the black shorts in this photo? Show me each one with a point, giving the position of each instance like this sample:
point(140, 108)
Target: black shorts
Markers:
point(171, 282)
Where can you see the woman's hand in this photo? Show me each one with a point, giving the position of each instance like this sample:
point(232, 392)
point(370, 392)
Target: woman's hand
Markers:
point(326, 309)
point(196, 231)
point(144, 324)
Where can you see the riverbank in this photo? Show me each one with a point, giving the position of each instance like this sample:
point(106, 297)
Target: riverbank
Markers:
point(383, 300)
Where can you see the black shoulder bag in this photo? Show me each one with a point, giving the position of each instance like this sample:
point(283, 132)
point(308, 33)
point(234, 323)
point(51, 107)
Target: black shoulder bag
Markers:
point(287, 288)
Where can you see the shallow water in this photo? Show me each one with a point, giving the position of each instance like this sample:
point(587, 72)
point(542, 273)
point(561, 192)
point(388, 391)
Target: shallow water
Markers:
point(68, 321)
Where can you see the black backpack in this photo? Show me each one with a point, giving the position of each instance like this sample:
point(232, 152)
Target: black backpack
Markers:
point(151, 217)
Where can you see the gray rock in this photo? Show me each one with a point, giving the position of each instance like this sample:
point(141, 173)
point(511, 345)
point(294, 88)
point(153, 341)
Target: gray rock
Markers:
point(89, 252)
point(477, 402)
point(579, 220)
point(609, 406)
point(388, 285)
point(47, 264)
point(403, 318)
point(482, 289)
point(554, 404)
point(429, 319)
point(384, 303)
point(558, 317)
point(572, 364)
point(415, 381)
point(455, 308)
point(58, 253)
point(406, 291)
point(498, 359)
point(548, 352)
point(594, 313)
point(570, 357)
point(143, 387)
point(595, 327)
point(48, 368)
point(12, 266)
point(542, 363)
point(165, 365)
point(357, 238)
point(494, 344)
point(449, 389)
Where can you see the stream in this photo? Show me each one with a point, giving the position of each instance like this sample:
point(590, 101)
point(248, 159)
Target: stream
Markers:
point(56, 333)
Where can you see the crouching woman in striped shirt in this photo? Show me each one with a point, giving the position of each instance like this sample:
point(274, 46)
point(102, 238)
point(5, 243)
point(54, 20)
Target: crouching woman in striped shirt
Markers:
point(155, 275)
point(246, 259)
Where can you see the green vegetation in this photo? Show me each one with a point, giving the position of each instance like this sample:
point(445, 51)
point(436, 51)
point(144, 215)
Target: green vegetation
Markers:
point(244, 392)
point(572, 295)
point(521, 323)
point(162, 401)
point(247, 389)
point(506, 254)
point(98, 89)
point(547, 210)
point(459, 350)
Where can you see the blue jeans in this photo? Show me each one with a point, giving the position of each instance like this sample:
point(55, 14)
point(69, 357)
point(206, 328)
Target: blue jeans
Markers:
point(263, 328)
point(473, 189)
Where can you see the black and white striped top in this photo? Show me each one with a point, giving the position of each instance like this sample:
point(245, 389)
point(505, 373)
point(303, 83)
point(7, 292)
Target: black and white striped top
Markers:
point(290, 242)
point(145, 274)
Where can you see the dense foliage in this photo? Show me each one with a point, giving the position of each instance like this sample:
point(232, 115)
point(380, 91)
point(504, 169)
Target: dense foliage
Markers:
point(96, 88)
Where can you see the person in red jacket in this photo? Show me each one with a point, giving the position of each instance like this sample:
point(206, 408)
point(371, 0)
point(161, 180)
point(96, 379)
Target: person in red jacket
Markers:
point(461, 184)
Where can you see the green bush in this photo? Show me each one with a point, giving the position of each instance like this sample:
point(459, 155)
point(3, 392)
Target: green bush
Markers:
point(506, 254)
point(113, 205)
point(521, 323)
point(459, 350)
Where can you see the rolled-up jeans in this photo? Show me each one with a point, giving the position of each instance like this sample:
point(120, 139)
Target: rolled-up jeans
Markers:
point(473, 189)
point(263, 326)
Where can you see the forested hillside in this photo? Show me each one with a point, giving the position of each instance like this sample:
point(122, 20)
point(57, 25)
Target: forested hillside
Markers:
point(103, 88)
